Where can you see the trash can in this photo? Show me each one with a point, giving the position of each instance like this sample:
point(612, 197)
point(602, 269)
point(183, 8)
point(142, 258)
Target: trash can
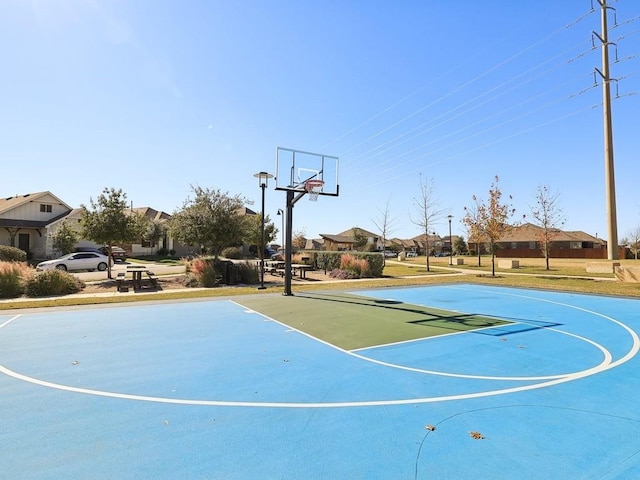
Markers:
point(402, 256)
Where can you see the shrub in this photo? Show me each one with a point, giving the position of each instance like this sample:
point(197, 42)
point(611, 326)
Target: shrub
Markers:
point(191, 281)
point(12, 278)
point(328, 261)
point(205, 272)
point(12, 254)
point(162, 252)
point(248, 274)
point(341, 274)
point(358, 267)
point(52, 282)
point(232, 252)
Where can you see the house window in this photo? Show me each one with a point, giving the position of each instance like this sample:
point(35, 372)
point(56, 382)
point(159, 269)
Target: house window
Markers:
point(46, 208)
point(514, 245)
point(532, 245)
point(575, 245)
point(148, 243)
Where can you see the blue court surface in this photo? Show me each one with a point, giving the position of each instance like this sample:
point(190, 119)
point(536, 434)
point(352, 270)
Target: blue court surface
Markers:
point(214, 390)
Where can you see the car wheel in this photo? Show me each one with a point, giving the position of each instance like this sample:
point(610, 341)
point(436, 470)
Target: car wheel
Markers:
point(102, 266)
point(61, 267)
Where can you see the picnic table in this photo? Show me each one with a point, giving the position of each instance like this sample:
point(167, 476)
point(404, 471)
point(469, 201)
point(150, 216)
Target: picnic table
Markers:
point(301, 268)
point(137, 272)
point(277, 267)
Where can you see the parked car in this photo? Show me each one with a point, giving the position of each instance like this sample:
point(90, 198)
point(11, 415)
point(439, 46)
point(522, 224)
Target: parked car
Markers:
point(76, 261)
point(411, 254)
point(117, 253)
point(87, 249)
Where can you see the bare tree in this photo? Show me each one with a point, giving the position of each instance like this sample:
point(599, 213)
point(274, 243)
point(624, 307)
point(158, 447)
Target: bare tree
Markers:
point(634, 241)
point(548, 216)
point(427, 212)
point(299, 240)
point(385, 224)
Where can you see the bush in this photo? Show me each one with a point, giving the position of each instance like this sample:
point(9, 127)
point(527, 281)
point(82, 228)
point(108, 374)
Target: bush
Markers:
point(358, 267)
point(162, 252)
point(191, 281)
point(12, 254)
point(232, 252)
point(329, 261)
point(341, 274)
point(12, 278)
point(248, 273)
point(205, 272)
point(52, 282)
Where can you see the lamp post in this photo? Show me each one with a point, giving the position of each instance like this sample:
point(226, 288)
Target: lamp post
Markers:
point(450, 241)
point(281, 213)
point(263, 180)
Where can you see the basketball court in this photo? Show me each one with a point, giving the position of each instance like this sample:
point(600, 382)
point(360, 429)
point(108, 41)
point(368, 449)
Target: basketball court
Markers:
point(455, 381)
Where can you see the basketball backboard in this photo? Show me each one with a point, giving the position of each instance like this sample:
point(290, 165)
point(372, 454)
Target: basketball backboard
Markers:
point(295, 168)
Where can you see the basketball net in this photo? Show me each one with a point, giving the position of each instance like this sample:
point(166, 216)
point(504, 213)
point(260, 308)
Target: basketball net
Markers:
point(313, 188)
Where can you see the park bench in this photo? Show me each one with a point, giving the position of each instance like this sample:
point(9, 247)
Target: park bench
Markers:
point(120, 282)
point(152, 278)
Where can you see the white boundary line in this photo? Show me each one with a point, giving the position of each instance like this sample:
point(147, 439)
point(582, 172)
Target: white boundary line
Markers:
point(556, 381)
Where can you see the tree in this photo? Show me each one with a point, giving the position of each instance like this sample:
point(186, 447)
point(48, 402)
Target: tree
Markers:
point(385, 224)
point(460, 245)
point(154, 231)
point(634, 241)
point(299, 240)
point(474, 222)
point(211, 221)
point(109, 222)
point(65, 238)
point(360, 240)
point(426, 206)
point(494, 219)
point(548, 216)
point(253, 233)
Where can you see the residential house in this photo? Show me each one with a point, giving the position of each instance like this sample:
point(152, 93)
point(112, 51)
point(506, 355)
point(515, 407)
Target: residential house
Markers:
point(165, 242)
point(354, 239)
point(317, 244)
point(336, 243)
point(29, 222)
point(431, 244)
point(26, 221)
point(523, 241)
point(405, 245)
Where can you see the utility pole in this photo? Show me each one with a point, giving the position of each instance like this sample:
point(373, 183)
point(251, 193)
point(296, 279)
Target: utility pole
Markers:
point(612, 222)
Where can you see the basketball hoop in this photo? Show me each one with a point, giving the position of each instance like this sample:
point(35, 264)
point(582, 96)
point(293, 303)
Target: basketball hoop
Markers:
point(313, 188)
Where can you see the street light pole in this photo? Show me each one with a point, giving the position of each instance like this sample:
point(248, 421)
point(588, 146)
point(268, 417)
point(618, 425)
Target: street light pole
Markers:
point(450, 241)
point(263, 180)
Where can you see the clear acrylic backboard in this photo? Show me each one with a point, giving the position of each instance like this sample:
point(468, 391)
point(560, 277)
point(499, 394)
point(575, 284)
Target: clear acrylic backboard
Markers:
point(295, 168)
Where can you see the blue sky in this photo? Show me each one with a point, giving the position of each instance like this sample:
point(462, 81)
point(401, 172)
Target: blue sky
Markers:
point(155, 96)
